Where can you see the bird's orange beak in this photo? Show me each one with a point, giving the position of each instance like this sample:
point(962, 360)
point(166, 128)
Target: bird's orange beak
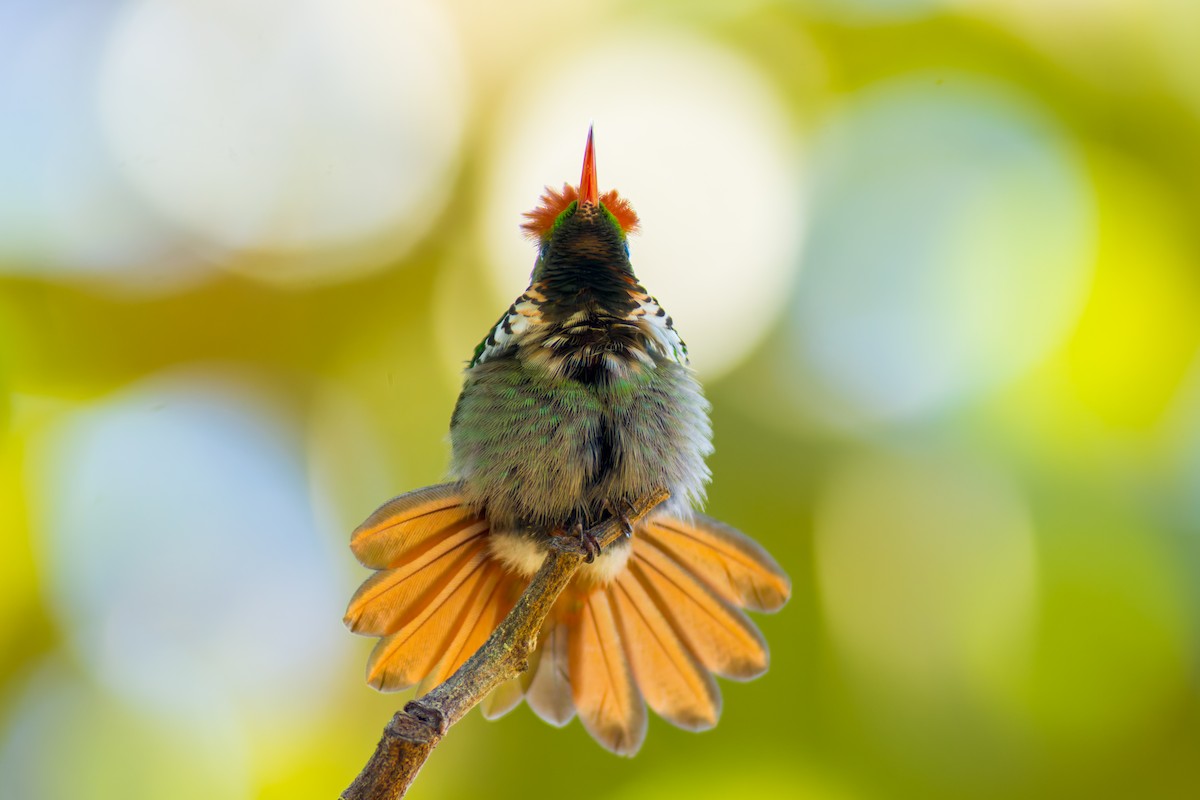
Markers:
point(588, 193)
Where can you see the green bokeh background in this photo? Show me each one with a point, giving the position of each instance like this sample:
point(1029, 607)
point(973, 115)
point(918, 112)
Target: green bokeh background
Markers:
point(993, 592)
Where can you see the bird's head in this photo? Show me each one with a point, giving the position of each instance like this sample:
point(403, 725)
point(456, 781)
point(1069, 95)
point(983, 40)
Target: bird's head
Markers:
point(579, 231)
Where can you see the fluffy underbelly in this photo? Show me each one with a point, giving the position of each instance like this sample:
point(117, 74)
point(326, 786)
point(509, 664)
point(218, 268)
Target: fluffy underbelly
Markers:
point(523, 554)
point(541, 456)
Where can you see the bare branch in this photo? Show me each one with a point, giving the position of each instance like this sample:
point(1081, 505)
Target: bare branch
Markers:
point(413, 733)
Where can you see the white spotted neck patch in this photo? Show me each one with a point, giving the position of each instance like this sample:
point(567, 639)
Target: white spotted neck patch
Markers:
point(654, 319)
point(517, 320)
point(524, 320)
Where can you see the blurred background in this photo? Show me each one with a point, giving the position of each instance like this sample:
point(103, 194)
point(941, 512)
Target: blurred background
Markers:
point(937, 264)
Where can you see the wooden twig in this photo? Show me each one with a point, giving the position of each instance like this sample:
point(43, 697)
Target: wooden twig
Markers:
point(413, 733)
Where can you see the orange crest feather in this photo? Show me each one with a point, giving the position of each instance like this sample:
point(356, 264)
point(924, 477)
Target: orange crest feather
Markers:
point(620, 208)
point(541, 219)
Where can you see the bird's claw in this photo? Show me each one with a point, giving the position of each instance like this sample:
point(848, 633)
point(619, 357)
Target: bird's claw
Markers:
point(626, 526)
point(587, 542)
point(577, 541)
point(622, 517)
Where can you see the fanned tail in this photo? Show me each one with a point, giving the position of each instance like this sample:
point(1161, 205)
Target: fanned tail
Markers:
point(436, 596)
point(653, 635)
point(658, 632)
point(549, 692)
point(602, 687)
point(674, 682)
point(733, 565)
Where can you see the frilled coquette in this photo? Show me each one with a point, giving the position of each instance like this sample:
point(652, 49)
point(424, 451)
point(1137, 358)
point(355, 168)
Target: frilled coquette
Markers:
point(577, 403)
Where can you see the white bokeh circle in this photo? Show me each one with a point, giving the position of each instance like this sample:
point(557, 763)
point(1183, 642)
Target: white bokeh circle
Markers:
point(952, 247)
point(282, 126)
point(66, 211)
point(179, 552)
point(696, 139)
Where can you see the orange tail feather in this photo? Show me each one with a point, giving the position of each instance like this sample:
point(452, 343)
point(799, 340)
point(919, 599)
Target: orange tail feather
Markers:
point(549, 692)
point(676, 686)
point(405, 522)
point(733, 565)
point(403, 658)
point(609, 704)
point(651, 636)
point(437, 595)
point(723, 639)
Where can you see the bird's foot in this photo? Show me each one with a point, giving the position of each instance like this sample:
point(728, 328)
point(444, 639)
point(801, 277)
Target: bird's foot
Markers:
point(588, 541)
point(580, 541)
point(621, 516)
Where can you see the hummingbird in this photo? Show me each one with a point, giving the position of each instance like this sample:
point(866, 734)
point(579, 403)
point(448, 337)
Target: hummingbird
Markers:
point(579, 401)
